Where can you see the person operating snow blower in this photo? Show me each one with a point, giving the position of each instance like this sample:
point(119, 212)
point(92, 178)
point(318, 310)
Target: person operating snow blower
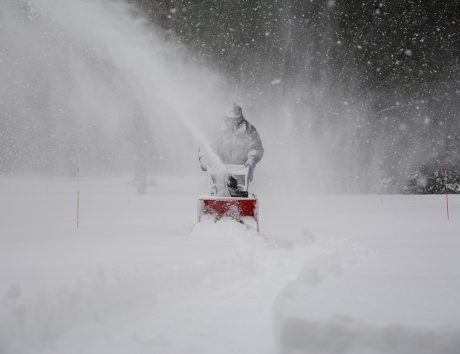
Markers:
point(238, 143)
point(230, 162)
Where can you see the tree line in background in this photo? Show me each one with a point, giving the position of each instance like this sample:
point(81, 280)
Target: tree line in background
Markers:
point(389, 68)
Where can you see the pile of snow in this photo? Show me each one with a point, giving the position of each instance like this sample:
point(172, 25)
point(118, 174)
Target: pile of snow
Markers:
point(399, 297)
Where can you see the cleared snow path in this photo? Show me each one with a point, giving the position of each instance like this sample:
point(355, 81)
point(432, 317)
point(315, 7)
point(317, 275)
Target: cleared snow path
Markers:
point(227, 307)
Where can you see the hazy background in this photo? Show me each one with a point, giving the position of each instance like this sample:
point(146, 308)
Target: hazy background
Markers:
point(348, 96)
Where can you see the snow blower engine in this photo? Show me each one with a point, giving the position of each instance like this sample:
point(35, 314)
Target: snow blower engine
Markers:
point(229, 195)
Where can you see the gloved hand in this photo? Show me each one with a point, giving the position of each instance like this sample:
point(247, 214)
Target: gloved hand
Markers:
point(250, 163)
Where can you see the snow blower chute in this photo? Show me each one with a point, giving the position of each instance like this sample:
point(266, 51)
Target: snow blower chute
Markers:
point(229, 195)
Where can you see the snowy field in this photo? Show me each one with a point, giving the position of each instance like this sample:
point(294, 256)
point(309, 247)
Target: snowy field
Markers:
point(327, 274)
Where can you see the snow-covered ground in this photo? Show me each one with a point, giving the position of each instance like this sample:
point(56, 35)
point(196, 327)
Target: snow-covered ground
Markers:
point(328, 274)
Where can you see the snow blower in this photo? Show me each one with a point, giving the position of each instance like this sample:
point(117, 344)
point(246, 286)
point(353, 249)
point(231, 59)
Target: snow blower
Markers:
point(229, 196)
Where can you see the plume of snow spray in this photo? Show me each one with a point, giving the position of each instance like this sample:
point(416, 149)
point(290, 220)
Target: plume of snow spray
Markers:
point(91, 83)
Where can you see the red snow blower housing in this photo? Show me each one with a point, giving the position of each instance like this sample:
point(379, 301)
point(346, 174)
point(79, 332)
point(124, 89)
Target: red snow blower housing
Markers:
point(229, 195)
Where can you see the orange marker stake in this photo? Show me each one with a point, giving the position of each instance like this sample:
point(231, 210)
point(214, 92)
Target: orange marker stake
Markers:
point(447, 196)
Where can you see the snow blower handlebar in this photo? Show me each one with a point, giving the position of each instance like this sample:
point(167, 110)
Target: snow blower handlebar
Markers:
point(239, 171)
point(219, 179)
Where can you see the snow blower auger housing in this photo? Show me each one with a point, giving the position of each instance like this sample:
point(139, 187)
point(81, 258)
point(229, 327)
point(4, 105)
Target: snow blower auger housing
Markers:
point(229, 195)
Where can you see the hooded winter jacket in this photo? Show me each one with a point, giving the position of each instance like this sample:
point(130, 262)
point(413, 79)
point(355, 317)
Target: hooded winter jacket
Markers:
point(236, 145)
